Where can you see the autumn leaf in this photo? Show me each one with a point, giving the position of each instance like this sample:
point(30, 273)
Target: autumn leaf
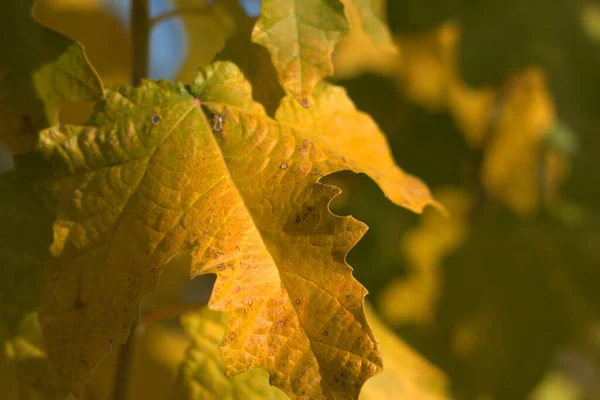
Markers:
point(34, 84)
point(301, 36)
point(202, 376)
point(25, 371)
point(99, 29)
point(511, 167)
point(413, 299)
point(218, 20)
point(372, 24)
point(152, 176)
point(511, 124)
point(407, 375)
point(369, 47)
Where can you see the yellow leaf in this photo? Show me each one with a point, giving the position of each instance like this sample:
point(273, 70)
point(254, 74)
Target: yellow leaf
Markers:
point(159, 350)
point(97, 28)
point(426, 65)
point(34, 84)
point(151, 176)
point(510, 171)
point(406, 375)
point(413, 299)
point(301, 35)
point(361, 51)
point(509, 124)
point(219, 21)
point(369, 12)
point(202, 375)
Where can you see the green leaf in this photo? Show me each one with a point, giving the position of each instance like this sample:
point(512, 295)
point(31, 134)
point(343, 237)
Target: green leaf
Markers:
point(152, 176)
point(202, 376)
point(373, 26)
point(301, 36)
point(40, 70)
point(25, 235)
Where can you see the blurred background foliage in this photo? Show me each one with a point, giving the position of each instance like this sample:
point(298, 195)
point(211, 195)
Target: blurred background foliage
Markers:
point(494, 104)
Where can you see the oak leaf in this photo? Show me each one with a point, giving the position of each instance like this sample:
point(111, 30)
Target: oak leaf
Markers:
point(152, 175)
point(301, 36)
point(34, 84)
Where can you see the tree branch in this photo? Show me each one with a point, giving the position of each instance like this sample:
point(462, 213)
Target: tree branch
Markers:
point(140, 32)
point(178, 12)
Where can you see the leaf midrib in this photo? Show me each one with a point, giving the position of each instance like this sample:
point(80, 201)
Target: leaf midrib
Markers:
point(230, 175)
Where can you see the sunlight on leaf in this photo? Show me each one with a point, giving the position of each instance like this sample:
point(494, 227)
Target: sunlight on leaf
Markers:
point(202, 376)
point(360, 51)
point(36, 83)
point(220, 21)
point(511, 124)
point(152, 176)
point(514, 150)
point(407, 375)
point(413, 299)
point(557, 386)
point(301, 36)
point(427, 64)
point(369, 12)
point(93, 24)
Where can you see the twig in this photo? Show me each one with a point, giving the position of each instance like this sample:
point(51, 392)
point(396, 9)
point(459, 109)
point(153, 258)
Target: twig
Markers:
point(140, 32)
point(123, 369)
point(179, 12)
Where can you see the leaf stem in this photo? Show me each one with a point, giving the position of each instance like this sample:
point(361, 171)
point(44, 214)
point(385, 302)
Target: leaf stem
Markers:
point(179, 12)
point(123, 369)
point(139, 26)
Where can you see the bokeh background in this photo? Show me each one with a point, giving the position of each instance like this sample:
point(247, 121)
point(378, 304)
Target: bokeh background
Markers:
point(495, 105)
